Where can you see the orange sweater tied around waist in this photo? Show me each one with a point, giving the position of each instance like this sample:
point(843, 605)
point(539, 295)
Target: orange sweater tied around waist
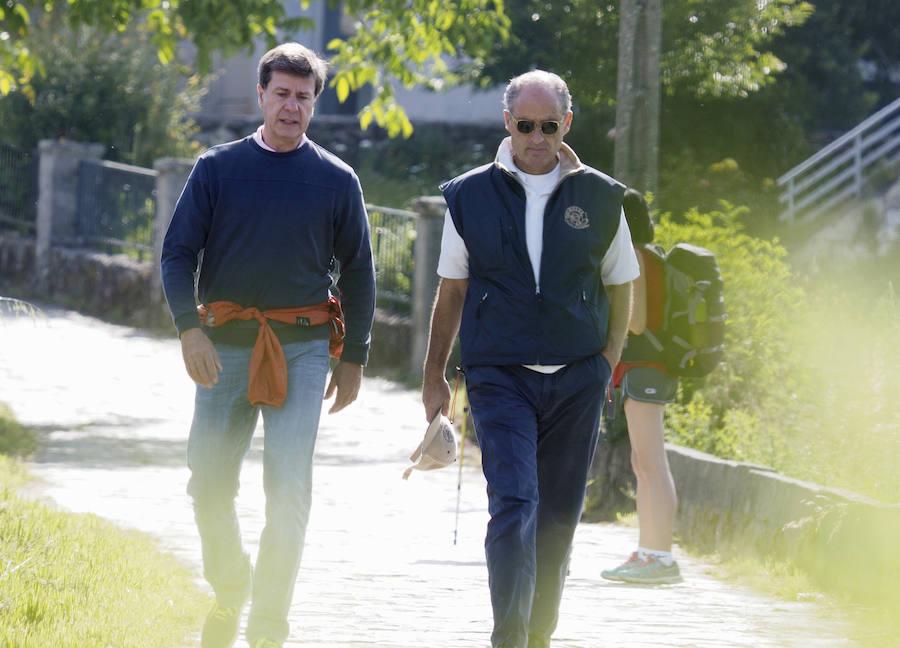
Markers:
point(267, 384)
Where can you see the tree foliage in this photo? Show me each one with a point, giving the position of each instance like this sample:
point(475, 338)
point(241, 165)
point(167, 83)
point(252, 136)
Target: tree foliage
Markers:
point(710, 47)
point(100, 87)
point(411, 42)
point(405, 41)
point(722, 48)
point(749, 88)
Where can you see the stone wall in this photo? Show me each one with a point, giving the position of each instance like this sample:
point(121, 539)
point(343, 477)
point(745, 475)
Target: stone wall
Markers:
point(118, 289)
point(843, 541)
point(114, 288)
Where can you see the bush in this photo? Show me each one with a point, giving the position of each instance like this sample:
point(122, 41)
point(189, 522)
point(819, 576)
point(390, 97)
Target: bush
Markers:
point(110, 89)
point(741, 409)
point(812, 364)
point(847, 339)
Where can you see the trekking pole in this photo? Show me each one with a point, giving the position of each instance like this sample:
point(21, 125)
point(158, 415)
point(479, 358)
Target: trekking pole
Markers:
point(462, 450)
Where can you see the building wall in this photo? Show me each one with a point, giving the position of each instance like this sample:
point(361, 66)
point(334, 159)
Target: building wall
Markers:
point(232, 95)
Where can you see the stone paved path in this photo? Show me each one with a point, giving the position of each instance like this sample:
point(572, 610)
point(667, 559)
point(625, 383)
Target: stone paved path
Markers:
point(380, 567)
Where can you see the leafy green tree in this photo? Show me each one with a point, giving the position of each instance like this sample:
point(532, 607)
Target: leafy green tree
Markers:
point(710, 49)
point(405, 41)
point(749, 88)
point(839, 67)
point(100, 87)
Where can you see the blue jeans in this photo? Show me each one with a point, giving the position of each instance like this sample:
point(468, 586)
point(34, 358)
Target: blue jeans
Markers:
point(537, 434)
point(223, 425)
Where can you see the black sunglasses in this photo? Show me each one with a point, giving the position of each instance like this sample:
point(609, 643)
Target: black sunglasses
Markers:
point(526, 126)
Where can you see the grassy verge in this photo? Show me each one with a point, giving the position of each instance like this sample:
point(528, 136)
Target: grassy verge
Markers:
point(15, 440)
point(877, 625)
point(77, 580)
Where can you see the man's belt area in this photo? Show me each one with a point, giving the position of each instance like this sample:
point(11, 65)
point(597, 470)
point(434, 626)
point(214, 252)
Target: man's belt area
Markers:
point(267, 383)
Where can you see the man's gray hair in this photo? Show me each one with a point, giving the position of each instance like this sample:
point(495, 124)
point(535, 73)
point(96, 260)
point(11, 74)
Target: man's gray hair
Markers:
point(292, 58)
point(553, 81)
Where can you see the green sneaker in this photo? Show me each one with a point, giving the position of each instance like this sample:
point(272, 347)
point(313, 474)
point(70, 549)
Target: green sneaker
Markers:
point(220, 630)
point(613, 574)
point(266, 643)
point(652, 572)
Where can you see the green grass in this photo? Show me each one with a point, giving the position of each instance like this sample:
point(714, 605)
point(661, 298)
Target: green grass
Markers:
point(78, 580)
point(15, 439)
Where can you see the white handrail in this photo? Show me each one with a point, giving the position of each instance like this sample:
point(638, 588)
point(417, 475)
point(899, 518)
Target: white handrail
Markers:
point(814, 182)
point(839, 142)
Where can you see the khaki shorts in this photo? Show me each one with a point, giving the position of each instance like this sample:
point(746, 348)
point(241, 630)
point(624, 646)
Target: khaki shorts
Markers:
point(649, 385)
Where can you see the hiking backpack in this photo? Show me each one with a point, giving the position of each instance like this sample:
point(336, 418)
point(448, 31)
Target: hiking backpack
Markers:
point(692, 336)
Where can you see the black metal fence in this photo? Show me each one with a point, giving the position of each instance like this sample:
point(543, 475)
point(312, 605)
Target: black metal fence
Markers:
point(116, 207)
point(393, 241)
point(116, 212)
point(18, 189)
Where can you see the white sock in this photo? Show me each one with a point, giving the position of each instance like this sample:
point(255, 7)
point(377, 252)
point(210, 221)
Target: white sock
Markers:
point(665, 557)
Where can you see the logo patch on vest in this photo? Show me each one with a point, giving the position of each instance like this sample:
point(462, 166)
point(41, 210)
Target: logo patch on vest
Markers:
point(576, 218)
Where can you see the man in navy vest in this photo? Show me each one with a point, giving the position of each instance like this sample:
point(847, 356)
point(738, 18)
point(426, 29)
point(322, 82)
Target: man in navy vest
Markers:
point(536, 264)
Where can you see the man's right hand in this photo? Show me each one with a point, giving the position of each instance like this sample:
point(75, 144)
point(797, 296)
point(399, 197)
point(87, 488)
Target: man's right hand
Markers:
point(445, 318)
point(200, 357)
point(436, 397)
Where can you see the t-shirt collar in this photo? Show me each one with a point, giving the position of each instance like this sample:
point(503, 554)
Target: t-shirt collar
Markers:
point(258, 138)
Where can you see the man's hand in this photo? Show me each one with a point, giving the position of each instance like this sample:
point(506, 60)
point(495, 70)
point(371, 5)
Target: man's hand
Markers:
point(200, 357)
point(346, 380)
point(436, 397)
point(445, 319)
point(619, 315)
point(611, 357)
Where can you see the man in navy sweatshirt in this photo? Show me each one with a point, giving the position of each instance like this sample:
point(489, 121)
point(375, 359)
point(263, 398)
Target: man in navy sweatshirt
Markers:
point(264, 220)
point(536, 267)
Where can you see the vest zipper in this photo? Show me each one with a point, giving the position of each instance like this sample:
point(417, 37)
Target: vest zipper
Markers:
point(480, 303)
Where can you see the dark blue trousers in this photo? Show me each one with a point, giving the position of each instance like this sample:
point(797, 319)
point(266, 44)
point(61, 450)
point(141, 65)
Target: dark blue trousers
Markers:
point(537, 434)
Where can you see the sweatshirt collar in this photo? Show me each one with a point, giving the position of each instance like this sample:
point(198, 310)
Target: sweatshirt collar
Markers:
point(568, 161)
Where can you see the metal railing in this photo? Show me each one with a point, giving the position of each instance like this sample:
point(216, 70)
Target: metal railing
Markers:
point(840, 170)
point(18, 189)
point(393, 233)
point(116, 207)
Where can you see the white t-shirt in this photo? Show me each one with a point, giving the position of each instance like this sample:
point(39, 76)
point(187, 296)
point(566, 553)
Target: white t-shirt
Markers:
point(258, 138)
point(618, 266)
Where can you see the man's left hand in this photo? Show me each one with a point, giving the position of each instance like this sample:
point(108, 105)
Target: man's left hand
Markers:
point(346, 380)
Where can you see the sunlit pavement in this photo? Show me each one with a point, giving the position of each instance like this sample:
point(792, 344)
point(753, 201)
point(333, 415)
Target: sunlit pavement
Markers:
point(380, 567)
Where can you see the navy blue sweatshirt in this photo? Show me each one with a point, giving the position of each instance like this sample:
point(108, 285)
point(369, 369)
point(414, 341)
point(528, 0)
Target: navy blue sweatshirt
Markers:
point(270, 226)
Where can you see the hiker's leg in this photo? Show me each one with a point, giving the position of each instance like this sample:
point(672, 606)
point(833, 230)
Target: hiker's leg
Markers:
point(569, 423)
point(289, 443)
point(220, 435)
point(505, 421)
point(656, 498)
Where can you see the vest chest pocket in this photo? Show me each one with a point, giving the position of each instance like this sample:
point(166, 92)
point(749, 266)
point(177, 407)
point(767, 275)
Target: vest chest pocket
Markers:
point(487, 248)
